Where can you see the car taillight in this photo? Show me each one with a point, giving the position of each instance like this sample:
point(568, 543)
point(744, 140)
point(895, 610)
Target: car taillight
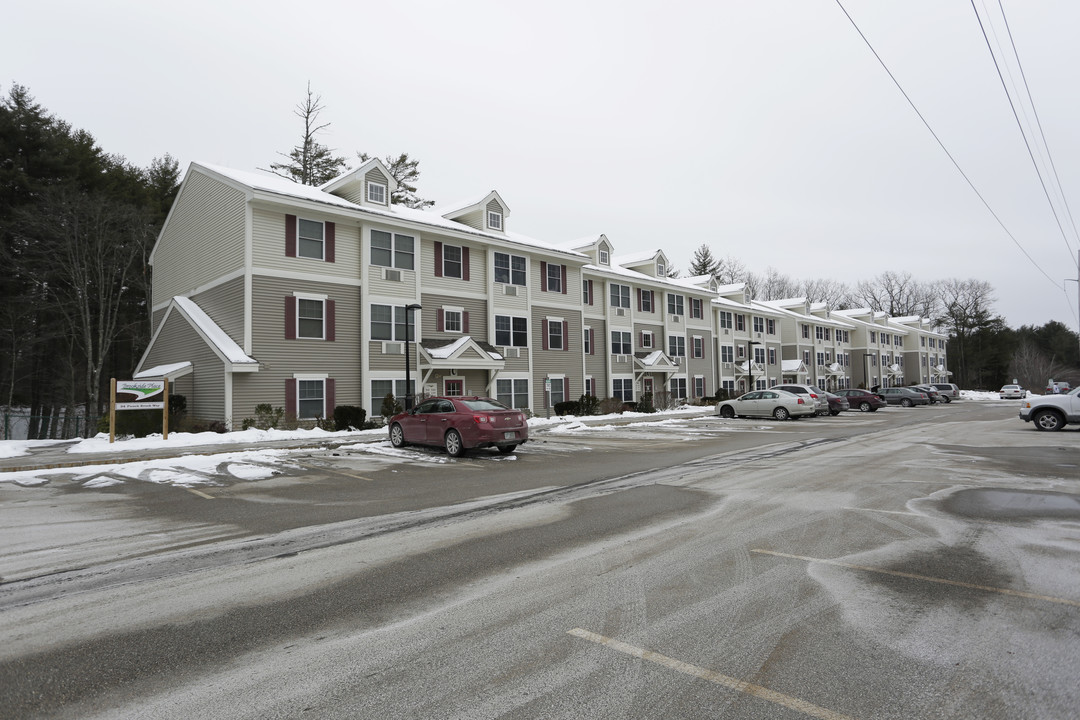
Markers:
point(813, 396)
point(480, 418)
point(801, 401)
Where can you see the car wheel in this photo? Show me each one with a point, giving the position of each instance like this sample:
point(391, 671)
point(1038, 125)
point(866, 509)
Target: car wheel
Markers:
point(906, 402)
point(727, 412)
point(454, 446)
point(781, 413)
point(865, 407)
point(948, 400)
point(507, 449)
point(1048, 420)
point(834, 413)
point(397, 436)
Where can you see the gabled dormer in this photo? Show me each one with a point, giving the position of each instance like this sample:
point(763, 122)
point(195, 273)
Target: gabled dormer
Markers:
point(488, 213)
point(734, 291)
point(370, 185)
point(598, 248)
point(653, 263)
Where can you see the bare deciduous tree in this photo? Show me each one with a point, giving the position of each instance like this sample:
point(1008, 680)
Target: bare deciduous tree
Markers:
point(310, 163)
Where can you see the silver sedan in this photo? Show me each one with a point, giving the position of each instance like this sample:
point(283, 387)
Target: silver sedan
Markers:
point(778, 404)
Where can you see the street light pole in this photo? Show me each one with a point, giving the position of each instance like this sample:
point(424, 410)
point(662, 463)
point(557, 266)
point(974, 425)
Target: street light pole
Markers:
point(749, 364)
point(408, 353)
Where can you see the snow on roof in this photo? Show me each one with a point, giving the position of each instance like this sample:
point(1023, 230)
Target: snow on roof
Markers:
point(267, 182)
point(444, 352)
point(641, 277)
point(163, 370)
point(218, 337)
point(778, 306)
point(790, 366)
point(652, 358)
point(636, 258)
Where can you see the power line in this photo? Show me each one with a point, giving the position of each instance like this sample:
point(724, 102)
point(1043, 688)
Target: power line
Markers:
point(974, 189)
point(1038, 123)
point(1019, 124)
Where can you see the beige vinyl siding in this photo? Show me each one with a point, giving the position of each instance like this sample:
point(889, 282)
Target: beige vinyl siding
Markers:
point(377, 360)
point(379, 285)
point(225, 306)
point(268, 245)
point(374, 176)
point(281, 358)
point(203, 240)
point(572, 298)
point(179, 342)
point(155, 319)
point(478, 318)
point(596, 364)
point(477, 281)
point(659, 336)
point(564, 362)
point(474, 219)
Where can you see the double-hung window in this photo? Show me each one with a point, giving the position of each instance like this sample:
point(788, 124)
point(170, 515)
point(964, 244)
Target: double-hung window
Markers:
point(759, 324)
point(388, 323)
point(819, 332)
point(646, 300)
point(725, 319)
point(699, 386)
point(696, 308)
point(376, 192)
point(553, 282)
point(727, 353)
point(309, 318)
point(677, 345)
point(586, 341)
point(772, 356)
point(393, 250)
point(699, 346)
point(675, 304)
point(555, 339)
point(512, 393)
point(678, 388)
point(451, 261)
point(620, 343)
point(759, 355)
point(806, 331)
point(740, 322)
point(311, 399)
point(623, 389)
point(770, 326)
point(509, 269)
point(511, 331)
point(452, 320)
point(309, 239)
point(494, 220)
point(605, 259)
point(646, 339)
point(620, 295)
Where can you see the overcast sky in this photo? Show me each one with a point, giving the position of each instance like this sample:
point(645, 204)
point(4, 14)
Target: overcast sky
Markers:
point(766, 130)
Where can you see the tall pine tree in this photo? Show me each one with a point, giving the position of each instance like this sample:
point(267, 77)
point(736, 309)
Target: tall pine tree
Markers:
point(310, 162)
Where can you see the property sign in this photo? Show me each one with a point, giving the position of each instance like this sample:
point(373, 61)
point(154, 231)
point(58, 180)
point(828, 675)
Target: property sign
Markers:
point(141, 389)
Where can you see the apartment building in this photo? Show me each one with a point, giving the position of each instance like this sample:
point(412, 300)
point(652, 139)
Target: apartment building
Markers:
point(266, 291)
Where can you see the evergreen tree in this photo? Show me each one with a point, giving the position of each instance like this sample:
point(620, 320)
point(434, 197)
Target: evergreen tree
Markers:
point(405, 171)
point(310, 162)
point(703, 262)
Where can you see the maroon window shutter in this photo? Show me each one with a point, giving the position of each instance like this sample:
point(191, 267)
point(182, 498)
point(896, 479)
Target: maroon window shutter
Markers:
point(565, 335)
point(590, 293)
point(639, 299)
point(330, 238)
point(438, 259)
point(465, 322)
point(330, 331)
point(439, 320)
point(331, 401)
point(290, 236)
point(652, 300)
point(290, 317)
point(465, 263)
point(544, 330)
point(290, 397)
point(592, 342)
point(543, 276)
point(563, 279)
point(641, 338)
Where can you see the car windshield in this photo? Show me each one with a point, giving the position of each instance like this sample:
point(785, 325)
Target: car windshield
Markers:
point(484, 404)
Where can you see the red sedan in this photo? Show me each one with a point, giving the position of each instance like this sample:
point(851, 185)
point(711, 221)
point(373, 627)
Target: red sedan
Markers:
point(459, 424)
point(862, 400)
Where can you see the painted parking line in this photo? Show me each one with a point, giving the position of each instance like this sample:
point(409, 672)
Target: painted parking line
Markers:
point(712, 676)
point(927, 578)
point(200, 493)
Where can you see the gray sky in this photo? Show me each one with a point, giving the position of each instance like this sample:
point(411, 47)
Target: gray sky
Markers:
point(765, 129)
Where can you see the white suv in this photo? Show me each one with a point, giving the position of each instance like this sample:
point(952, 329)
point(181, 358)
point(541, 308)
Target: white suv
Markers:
point(811, 394)
point(1052, 412)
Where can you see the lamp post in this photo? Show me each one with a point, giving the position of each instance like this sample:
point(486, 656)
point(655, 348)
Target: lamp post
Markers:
point(408, 352)
point(749, 364)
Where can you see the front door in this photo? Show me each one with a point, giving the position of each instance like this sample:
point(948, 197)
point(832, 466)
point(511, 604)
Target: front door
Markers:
point(646, 386)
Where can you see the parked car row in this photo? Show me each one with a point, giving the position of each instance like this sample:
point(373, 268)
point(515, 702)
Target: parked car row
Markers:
point(779, 401)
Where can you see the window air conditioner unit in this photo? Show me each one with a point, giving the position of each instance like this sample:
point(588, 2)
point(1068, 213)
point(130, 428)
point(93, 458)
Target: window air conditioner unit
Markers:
point(511, 352)
point(758, 335)
point(727, 366)
point(676, 318)
point(727, 331)
point(391, 275)
point(393, 348)
point(621, 312)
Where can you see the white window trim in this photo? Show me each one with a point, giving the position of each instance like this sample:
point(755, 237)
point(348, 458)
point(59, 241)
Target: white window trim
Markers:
point(605, 257)
point(371, 184)
point(310, 296)
point(460, 311)
point(311, 376)
point(321, 241)
point(316, 298)
point(496, 225)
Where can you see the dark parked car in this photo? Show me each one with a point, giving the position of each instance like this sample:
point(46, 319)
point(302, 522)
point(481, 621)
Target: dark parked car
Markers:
point(903, 396)
point(931, 393)
point(459, 424)
point(862, 400)
point(837, 404)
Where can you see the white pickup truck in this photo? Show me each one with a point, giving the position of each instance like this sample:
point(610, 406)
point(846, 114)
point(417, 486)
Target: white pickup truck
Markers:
point(1052, 412)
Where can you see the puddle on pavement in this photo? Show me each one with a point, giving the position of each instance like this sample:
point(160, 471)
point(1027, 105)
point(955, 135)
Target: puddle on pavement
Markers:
point(1007, 504)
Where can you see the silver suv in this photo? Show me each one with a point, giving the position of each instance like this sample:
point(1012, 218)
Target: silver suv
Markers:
point(811, 394)
point(948, 391)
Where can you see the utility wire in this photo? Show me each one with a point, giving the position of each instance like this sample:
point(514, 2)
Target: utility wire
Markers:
point(1038, 124)
point(974, 189)
point(1019, 124)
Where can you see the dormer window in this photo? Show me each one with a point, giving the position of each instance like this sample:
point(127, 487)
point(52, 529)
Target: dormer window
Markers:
point(661, 270)
point(494, 220)
point(605, 259)
point(376, 192)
